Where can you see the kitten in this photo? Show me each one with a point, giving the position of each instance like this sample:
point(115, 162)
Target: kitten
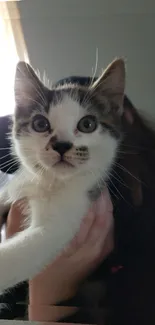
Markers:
point(66, 140)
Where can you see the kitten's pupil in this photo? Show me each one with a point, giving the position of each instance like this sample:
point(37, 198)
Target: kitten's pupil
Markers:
point(87, 124)
point(40, 124)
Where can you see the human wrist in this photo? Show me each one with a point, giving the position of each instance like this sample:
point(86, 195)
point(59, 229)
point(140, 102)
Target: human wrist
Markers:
point(40, 295)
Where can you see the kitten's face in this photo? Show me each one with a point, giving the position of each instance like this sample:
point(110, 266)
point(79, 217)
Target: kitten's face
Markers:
point(65, 130)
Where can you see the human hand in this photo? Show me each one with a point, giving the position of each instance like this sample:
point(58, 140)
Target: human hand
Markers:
point(15, 219)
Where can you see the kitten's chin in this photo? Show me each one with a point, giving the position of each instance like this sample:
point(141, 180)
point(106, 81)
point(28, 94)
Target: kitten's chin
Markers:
point(63, 169)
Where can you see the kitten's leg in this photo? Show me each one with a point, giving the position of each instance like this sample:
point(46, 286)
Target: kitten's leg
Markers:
point(25, 255)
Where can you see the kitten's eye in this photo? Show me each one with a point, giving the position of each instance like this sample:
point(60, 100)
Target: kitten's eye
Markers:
point(40, 124)
point(87, 124)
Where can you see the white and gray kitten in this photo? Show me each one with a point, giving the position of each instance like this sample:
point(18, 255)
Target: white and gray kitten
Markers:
point(66, 140)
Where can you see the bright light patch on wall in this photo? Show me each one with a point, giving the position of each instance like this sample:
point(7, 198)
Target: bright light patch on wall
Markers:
point(8, 61)
point(11, 51)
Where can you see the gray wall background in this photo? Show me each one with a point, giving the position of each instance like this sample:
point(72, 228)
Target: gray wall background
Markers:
point(62, 37)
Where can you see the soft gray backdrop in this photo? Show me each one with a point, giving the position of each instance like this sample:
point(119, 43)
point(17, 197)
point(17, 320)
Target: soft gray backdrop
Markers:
point(62, 37)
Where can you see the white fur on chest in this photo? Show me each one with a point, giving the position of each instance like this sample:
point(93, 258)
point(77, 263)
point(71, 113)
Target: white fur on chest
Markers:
point(60, 212)
point(62, 209)
point(55, 204)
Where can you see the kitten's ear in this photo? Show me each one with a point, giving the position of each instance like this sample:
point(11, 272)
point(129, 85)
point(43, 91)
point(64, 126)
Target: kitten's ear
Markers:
point(29, 90)
point(112, 84)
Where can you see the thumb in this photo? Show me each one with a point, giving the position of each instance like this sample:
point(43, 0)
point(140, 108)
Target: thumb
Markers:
point(104, 204)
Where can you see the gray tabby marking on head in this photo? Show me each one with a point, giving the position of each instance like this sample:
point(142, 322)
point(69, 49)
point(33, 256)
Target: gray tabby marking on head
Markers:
point(104, 97)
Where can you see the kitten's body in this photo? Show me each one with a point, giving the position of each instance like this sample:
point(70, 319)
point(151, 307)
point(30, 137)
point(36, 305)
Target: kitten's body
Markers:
point(58, 191)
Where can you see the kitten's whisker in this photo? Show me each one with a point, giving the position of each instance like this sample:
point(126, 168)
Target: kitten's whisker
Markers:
point(41, 93)
point(89, 95)
point(114, 194)
point(108, 186)
point(116, 189)
point(110, 174)
point(137, 147)
point(7, 163)
point(6, 148)
point(5, 156)
point(92, 90)
point(127, 171)
point(98, 85)
point(10, 168)
point(127, 152)
point(95, 70)
point(85, 100)
point(119, 179)
point(38, 89)
point(46, 81)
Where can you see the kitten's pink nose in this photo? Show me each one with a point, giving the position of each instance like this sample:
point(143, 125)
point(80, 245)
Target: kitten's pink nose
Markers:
point(61, 147)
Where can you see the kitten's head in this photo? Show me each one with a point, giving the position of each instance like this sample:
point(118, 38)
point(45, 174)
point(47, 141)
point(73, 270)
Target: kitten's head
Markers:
point(68, 129)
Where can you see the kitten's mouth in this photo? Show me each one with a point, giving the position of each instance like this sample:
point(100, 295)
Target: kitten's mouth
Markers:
point(63, 163)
